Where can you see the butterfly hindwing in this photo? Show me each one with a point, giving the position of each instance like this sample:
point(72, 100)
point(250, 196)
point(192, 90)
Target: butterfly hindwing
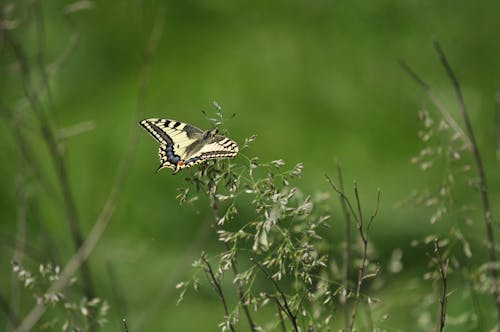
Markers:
point(217, 147)
point(183, 145)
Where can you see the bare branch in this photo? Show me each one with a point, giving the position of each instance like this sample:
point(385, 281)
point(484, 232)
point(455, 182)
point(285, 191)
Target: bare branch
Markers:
point(341, 193)
point(282, 321)
point(445, 113)
point(239, 287)
point(364, 259)
point(116, 290)
point(20, 245)
point(285, 305)
point(217, 287)
point(374, 214)
point(443, 274)
point(347, 249)
point(483, 188)
point(124, 325)
point(56, 157)
point(363, 234)
point(78, 260)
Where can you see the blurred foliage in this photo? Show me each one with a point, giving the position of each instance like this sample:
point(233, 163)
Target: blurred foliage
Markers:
point(314, 80)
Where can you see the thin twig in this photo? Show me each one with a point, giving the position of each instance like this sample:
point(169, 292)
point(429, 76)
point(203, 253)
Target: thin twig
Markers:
point(124, 325)
point(280, 315)
point(33, 165)
point(88, 245)
point(363, 234)
point(20, 246)
point(56, 157)
point(483, 187)
point(364, 259)
point(346, 199)
point(347, 249)
point(116, 290)
point(106, 213)
point(72, 213)
point(443, 275)
point(218, 289)
point(300, 302)
point(445, 113)
point(239, 285)
point(285, 305)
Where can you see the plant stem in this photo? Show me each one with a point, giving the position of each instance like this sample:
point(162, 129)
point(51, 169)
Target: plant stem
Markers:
point(282, 321)
point(239, 287)
point(218, 289)
point(284, 305)
point(57, 160)
point(483, 188)
point(347, 249)
point(443, 274)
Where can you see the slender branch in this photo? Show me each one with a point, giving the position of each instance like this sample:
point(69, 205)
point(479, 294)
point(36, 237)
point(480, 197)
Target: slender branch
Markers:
point(88, 245)
point(443, 274)
point(56, 157)
point(300, 303)
point(282, 321)
point(375, 213)
point(40, 31)
point(100, 225)
point(116, 290)
point(20, 246)
point(218, 289)
point(239, 285)
point(483, 188)
point(26, 152)
point(347, 249)
point(344, 197)
point(360, 213)
point(285, 305)
point(124, 325)
point(445, 113)
point(364, 259)
point(363, 234)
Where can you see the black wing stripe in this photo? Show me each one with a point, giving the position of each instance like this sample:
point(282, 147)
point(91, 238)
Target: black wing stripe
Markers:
point(155, 131)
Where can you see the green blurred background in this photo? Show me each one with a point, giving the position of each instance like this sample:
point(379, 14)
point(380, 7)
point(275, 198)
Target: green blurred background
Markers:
point(314, 80)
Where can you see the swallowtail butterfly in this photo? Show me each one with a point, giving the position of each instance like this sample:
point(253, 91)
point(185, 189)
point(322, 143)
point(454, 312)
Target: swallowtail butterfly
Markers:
point(183, 145)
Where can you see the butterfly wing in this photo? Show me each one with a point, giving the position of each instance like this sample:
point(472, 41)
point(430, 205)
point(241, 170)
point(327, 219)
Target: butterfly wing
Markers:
point(214, 147)
point(174, 138)
point(183, 145)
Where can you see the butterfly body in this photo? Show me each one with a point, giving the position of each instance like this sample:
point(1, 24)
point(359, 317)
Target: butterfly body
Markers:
point(183, 145)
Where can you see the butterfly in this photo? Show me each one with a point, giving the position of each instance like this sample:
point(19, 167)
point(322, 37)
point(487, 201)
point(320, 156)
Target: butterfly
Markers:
point(183, 145)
